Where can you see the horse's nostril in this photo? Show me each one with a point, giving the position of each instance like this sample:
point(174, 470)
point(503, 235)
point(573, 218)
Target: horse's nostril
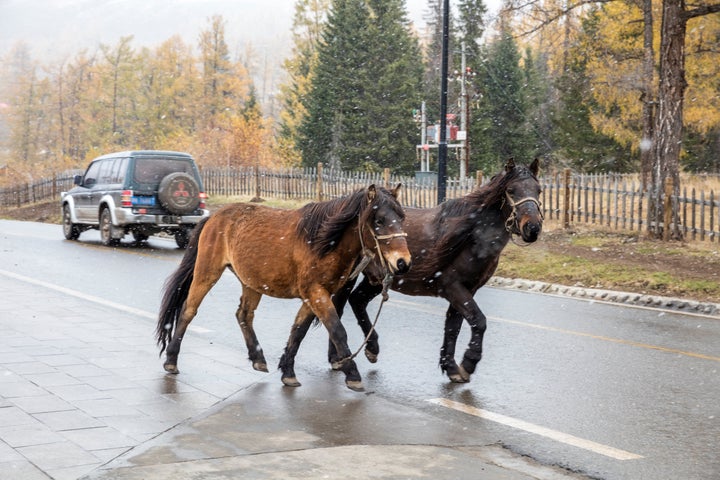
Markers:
point(402, 266)
point(531, 232)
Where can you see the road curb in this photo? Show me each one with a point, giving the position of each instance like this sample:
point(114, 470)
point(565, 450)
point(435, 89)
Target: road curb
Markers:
point(613, 296)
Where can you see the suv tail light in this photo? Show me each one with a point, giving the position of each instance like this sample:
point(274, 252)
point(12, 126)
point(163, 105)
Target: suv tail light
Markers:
point(126, 198)
point(203, 196)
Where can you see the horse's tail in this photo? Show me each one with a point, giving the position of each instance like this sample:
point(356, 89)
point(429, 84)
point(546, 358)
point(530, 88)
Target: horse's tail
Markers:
point(176, 290)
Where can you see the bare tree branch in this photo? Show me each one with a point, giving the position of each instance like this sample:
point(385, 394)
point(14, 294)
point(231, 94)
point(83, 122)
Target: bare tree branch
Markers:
point(701, 10)
point(552, 17)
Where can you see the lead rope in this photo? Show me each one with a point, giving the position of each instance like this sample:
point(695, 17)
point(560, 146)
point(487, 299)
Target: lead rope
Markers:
point(368, 255)
point(387, 281)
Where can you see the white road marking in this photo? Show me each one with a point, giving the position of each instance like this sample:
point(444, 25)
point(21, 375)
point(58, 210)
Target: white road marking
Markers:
point(538, 430)
point(417, 307)
point(91, 298)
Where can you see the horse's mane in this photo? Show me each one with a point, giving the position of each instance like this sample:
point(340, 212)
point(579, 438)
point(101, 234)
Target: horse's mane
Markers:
point(322, 224)
point(467, 212)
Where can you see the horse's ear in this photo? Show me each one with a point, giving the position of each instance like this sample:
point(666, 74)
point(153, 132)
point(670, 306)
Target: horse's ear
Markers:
point(371, 192)
point(394, 192)
point(535, 167)
point(510, 165)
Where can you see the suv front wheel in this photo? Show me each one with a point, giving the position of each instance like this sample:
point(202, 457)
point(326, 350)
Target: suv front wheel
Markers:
point(70, 230)
point(106, 228)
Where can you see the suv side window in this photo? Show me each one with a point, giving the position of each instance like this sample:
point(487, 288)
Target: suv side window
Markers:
point(92, 175)
point(105, 175)
point(114, 174)
point(119, 170)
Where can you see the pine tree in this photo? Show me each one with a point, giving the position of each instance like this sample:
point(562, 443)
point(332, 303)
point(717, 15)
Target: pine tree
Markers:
point(578, 144)
point(363, 90)
point(471, 26)
point(433, 59)
point(502, 109)
point(309, 18)
point(394, 72)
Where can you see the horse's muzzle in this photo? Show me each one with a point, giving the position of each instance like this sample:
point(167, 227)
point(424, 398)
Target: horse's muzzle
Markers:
point(402, 266)
point(530, 231)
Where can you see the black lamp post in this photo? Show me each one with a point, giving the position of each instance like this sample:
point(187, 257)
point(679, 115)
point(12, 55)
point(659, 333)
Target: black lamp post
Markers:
point(442, 144)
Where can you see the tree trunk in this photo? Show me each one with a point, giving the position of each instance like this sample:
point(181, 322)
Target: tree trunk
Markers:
point(668, 122)
point(648, 96)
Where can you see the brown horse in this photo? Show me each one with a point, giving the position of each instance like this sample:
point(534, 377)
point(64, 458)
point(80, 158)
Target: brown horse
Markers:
point(456, 247)
point(306, 253)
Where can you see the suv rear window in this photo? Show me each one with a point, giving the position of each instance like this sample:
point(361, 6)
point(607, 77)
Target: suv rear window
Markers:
point(152, 170)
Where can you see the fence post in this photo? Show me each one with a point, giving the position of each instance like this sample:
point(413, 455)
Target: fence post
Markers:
point(478, 178)
point(386, 177)
point(667, 209)
point(256, 174)
point(566, 205)
point(319, 182)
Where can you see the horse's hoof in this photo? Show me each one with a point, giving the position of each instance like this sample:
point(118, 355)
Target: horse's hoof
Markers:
point(461, 376)
point(355, 385)
point(260, 367)
point(372, 357)
point(291, 382)
point(170, 368)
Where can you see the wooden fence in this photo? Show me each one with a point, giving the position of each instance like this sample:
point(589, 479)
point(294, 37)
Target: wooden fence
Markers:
point(611, 201)
point(37, 190)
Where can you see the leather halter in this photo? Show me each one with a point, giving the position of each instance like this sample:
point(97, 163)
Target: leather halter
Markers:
point(368, 254)
point(512, 219)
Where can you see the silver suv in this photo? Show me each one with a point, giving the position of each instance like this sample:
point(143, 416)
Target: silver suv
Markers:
point(140, 192)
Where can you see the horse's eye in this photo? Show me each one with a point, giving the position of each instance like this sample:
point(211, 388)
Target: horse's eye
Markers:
point(379, 222)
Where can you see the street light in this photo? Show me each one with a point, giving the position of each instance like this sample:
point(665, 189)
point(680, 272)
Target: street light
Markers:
point(442, 141)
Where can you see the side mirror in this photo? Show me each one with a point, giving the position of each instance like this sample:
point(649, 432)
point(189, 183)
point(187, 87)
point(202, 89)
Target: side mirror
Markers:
point(77, 180)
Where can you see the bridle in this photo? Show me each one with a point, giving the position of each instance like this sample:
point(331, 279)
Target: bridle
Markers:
point(512, 218)
point(368, 255)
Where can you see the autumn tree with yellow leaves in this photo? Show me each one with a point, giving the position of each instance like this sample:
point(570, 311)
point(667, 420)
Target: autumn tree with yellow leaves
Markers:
point(61, 115)
point(638, 54)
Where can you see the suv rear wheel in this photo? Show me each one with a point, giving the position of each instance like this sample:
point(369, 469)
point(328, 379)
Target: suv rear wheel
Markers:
point(106, 228)
point(182, 237)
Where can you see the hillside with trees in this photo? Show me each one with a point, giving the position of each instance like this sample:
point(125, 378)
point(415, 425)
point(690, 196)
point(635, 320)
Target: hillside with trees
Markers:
point(617, 85)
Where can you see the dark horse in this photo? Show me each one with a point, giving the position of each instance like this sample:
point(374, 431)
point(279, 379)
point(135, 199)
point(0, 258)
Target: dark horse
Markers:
point(456, 247)
point(306, 253)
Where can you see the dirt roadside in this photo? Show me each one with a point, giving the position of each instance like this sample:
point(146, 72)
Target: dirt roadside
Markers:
point(582, 257)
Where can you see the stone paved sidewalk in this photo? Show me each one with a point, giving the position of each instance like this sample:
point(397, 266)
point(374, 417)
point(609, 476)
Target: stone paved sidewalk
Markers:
point(81, 383)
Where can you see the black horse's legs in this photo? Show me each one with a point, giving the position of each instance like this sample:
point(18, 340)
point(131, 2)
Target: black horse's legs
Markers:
point(453, 323)
point(322, 304)
point(339, 299)
point(245, 315)
point(462, 300)
point(303, 319)
point(360, 298)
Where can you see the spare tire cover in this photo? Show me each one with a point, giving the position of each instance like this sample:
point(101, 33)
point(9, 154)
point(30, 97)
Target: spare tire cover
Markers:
point(179, 193)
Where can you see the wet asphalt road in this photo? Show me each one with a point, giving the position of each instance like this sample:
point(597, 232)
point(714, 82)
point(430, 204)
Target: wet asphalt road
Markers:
point(610, 391)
